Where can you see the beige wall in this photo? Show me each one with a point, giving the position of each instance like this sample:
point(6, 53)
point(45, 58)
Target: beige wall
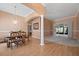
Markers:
point(66, 21)
point(29, 18)
point(76, 27)
point(48, 27)
point(36, 33)
point(72, 22)
point(7, 25)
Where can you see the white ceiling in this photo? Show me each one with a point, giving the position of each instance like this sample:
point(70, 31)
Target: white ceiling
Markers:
point(20, 9)
point(60, 10)
point(54, 10)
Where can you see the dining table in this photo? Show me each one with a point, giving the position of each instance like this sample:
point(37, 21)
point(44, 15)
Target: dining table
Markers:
point(17, 40)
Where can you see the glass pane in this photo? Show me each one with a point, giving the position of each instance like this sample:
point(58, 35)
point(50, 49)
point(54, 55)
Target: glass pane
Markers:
point(61, 30)
point(57, 30)
point(66, 30)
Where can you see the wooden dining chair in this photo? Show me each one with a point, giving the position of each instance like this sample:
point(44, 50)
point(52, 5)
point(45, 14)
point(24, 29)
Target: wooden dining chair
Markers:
point(13, 39)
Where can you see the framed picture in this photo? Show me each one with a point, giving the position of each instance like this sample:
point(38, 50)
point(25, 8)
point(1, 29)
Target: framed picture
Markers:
point(36, 26)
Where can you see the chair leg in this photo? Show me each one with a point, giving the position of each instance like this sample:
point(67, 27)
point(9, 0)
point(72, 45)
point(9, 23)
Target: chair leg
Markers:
point(11, 45)
point(23, 41)
point(8, 44)
point(16, 43)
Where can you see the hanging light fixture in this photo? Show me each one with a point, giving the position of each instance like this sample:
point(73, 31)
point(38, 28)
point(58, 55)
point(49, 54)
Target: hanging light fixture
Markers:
point(15, 20)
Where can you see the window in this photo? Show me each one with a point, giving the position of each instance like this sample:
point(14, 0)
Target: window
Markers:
point(61, 29)
point(65, 30)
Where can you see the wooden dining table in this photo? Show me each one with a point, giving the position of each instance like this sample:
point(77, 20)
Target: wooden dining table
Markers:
point(17, 40)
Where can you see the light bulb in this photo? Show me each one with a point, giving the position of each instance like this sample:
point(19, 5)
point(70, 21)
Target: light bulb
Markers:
point(15, 22)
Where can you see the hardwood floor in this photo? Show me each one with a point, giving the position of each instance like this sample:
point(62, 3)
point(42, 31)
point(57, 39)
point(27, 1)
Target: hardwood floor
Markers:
point(33, 48)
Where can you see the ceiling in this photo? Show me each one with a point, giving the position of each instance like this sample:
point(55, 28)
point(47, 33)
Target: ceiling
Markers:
point(60, 10)
point(37, 7)
point(53, 10)
point(20, 9)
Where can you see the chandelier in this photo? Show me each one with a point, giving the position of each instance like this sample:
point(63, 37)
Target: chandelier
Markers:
point(15, 11)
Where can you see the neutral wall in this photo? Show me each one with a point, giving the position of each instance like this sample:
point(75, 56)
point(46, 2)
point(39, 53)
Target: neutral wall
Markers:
point(7, 25)
point(66, 21)
point(48, 27)
point(29, 18)
point(36, 33)
point(48, 30)
point(73, 26)
point(76, 27)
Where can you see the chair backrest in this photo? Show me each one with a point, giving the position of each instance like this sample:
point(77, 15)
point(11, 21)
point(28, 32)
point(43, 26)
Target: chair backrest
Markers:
point(22, 34)
point(14, 34)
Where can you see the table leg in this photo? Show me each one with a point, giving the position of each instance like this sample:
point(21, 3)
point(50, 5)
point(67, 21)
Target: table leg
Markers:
point(8, 44)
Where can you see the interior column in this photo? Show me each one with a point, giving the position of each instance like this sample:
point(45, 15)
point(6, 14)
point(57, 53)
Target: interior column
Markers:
point(42, 30)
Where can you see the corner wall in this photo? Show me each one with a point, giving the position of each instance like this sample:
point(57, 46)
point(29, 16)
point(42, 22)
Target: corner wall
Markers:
point(48, 27)
point(66, 21)
point(36, 32)
point(76, 27)
point(7, 23)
